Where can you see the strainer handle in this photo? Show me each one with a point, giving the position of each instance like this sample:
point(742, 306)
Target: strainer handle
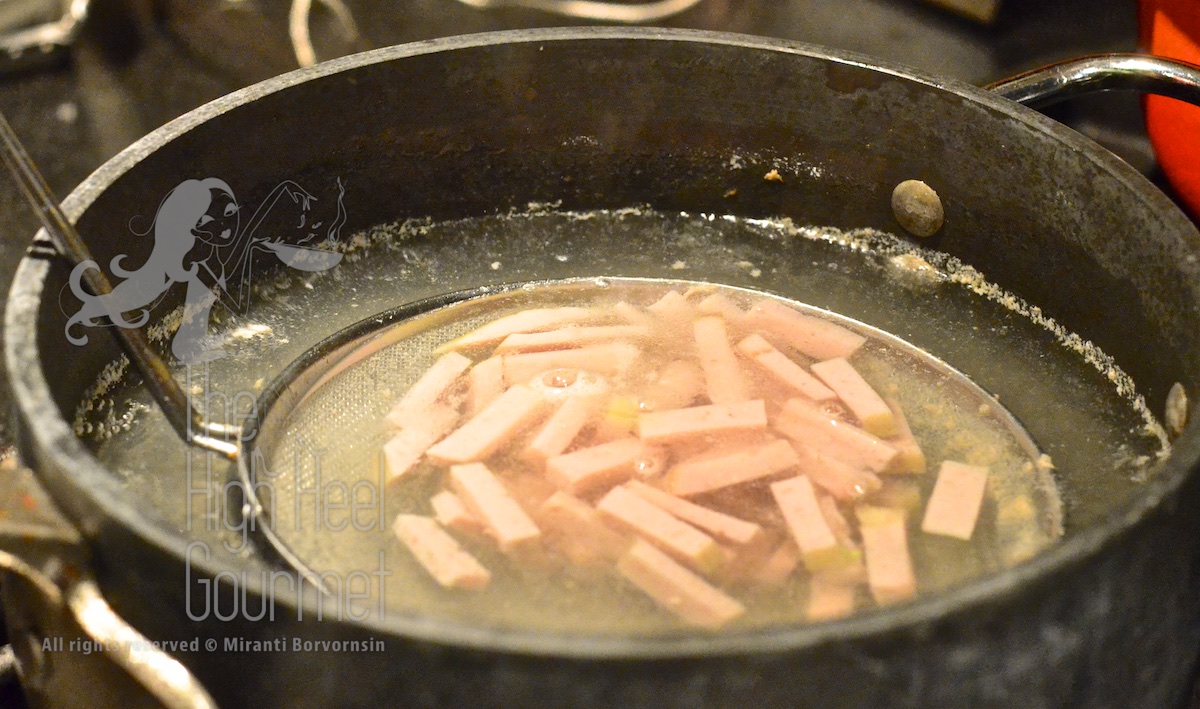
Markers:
point(185, 419)
point(1102, 72)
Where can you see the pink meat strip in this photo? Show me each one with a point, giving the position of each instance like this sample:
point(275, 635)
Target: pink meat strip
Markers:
point(570, 337)
point(717, 304)
point(451, 513)
point(610, 358)
point(651, 463)
point(723, 376)
point(779, 566)
point(677, 589)
point(487, 499)
point(797, 501)
point(842, 480)
point(802, 421)
point(447, 562)
point(590, 470)
point(674, 536)
point(783, 370)
point(836, 521)
point(672, 310)
point(402, 453)
point(631, 315)
point(486, 384)
point(580, 524)
point(679, 383)
point(858, 396)
point(700, 422)
point(957, 497)
point(706, 473)
point(529, 489)
point(428, 389)
point(536, 320)
point(829, 598)
point(720, 525)
point(815, 337)
point(560, 430)
point(489, 430)
point(885, 544)
point(911, 458)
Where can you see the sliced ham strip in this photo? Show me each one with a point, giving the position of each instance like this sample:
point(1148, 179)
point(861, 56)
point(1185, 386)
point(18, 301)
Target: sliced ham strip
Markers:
point(817, 338)
point(797, 501)
point(652, 463)
point(725, 382)
point(486, 384)
point(911, 458)
point(404, 451)
point(578, 523)
point(672, 310)
point(885, 543)
point(451, 513)
point(597, 468)
point(741, 562)
point(674, 536)
point(447, 562)
point(677, 589)
point(836, 521)
point(842, 480)
point(957, 497)
point(706, 473)
point(631, 315)
point(858, 396)
point(436, 380)
point(610, 358)
point(717, 304)
point(490, 429)
point(783, 370)
point(570, 337)
point(720, 525)
point(698, 422)
point(535, 320)
point(779, 566)
point(679, 383)
point(829, 598)
point(530, 490)
point(802, 421)
point(558, 385)
point(486, 497)
point(560, 430)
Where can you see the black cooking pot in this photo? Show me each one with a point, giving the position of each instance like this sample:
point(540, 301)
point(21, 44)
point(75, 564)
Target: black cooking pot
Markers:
point(478, 125)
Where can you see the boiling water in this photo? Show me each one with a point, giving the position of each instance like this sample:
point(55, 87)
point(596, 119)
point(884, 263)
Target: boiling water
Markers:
point(1075, 405)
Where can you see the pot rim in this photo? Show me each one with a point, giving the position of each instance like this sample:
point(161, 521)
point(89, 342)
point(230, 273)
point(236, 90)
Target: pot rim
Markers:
point(92, 499)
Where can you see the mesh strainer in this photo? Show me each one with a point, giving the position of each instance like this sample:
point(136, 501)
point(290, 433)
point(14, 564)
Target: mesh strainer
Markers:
point(319, 430)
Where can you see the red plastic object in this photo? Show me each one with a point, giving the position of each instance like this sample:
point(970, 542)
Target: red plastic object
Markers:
point(1171, 29)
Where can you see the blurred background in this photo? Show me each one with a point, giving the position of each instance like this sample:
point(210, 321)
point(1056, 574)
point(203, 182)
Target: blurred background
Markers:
point(82, 79)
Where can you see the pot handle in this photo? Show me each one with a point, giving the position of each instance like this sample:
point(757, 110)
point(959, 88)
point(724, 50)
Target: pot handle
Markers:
point(39, 546)
point(162, 675)
point(1102, 72)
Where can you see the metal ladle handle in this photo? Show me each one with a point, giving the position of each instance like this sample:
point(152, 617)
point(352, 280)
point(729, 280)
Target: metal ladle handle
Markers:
point(185, 419)
point(1102, 72)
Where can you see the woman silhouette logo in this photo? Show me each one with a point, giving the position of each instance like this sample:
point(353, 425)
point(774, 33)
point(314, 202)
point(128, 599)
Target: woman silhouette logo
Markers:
point(199, 240)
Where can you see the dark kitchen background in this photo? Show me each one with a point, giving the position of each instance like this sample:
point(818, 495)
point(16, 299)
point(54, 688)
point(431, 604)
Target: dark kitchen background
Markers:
point(136, 64)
